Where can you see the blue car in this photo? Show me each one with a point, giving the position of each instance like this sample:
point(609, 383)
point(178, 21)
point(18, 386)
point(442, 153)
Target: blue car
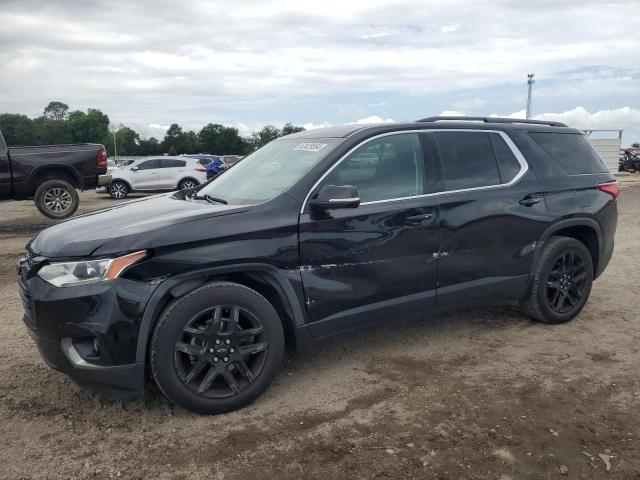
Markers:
point(214, 167)
point(212, 163)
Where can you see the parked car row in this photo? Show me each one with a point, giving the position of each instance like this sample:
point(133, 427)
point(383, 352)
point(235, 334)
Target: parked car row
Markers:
point(151, 175)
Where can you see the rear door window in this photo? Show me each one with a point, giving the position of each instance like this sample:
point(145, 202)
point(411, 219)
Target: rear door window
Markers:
point(170, 163)
point(571, 150)
point(468, 160)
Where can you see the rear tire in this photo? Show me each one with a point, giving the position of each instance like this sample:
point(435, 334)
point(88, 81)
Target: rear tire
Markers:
point(118, 190)
point(56, 199)
point(187, 183)
point(561, 282)
point(217, 348)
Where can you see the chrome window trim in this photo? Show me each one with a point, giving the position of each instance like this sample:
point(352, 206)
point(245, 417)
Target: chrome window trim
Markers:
point(524, 166)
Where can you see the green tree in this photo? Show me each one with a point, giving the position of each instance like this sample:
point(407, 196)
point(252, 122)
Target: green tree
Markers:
point(56, 111)
point(149, 146)
point(289, 128)
point(218, 139)
point(17, 129)
point(174, 140)
point(635, 145)
point(90, 127)
point(128, 141)
point(51, 132)
point(191, 142)
point(264, 136)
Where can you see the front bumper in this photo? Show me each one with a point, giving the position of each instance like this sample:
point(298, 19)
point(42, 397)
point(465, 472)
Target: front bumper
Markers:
point(121, 382)
point(88, 332)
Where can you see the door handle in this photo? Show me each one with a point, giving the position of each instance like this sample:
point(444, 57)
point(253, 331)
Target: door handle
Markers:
point(423, 218)
point(529, 201)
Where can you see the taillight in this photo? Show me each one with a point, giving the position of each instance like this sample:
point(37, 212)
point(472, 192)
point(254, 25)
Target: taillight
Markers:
point(201, 169)
point(612, 188)
point(102, 158)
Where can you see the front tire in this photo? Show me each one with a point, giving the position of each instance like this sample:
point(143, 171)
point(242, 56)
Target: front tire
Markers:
point(187, 183)
point(562, 281)
point(217, 348)
point(56, 199)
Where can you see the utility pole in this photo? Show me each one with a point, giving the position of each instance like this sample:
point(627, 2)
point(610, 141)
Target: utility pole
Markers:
point(530, 82)
point(115, 144)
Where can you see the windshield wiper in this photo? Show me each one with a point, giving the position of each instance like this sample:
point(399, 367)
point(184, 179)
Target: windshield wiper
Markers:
point(211, 199)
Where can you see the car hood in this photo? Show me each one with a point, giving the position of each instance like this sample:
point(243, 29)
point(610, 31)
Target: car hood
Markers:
point(145, 223)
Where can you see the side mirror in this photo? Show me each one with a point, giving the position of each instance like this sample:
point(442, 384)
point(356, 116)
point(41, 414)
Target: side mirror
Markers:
point(331, 197)
point(134, 169)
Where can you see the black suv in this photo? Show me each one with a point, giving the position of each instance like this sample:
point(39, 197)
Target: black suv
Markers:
point(316, 233)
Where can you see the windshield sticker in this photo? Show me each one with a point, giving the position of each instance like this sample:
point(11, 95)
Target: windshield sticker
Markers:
point(311, 147)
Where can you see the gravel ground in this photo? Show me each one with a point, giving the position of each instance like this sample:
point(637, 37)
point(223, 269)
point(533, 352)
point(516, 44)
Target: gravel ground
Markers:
point(480, 393)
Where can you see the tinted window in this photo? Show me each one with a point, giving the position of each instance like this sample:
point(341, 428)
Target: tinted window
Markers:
point(389, 167)
point(468, 160)
point(172, 163)
point(571, 150)
point(148, 164)
point(507, 162)
point(204, 161)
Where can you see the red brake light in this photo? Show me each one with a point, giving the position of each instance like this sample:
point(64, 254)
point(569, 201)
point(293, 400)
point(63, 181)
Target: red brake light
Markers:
point(102, 158)
point(200, 169)
point(612, 188)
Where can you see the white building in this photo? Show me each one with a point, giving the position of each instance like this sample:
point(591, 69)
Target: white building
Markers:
point(607, 144)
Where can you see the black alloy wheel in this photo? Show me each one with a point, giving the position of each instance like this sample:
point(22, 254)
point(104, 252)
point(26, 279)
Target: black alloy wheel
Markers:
point(562, 279)
point(221, 351)
point(565, 283)
point(217, 348)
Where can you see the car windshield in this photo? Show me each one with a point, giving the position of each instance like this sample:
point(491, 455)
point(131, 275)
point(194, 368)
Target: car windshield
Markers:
point(269, 171)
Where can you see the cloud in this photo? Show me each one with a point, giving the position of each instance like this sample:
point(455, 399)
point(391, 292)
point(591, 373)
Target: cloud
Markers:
point(452, 113)
point(313, 126)
point(619, 118)
point(374, 119)
point(239, 62)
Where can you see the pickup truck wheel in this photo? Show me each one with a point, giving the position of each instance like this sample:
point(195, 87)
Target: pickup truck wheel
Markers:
point(561, 281)
point(118, 190)
point(56, 199)
point(217, 348)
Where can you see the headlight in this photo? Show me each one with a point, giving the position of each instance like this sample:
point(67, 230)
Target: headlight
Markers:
point(68, 274)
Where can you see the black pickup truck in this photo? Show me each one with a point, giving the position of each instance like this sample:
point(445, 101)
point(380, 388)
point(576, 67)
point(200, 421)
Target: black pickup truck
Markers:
point(50, 174)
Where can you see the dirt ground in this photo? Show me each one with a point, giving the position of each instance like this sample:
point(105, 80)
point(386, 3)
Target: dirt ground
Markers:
point(482, 393)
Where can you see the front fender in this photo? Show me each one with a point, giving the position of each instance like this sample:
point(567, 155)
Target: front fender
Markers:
point(179, 285)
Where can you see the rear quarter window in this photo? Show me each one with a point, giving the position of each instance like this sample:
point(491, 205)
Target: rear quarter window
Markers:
point(571, 150)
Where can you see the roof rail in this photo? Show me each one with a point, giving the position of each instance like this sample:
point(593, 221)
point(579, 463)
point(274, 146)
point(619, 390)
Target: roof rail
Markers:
point(491, 120)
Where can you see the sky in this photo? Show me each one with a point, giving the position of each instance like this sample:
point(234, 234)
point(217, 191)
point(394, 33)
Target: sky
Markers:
point(248, 63)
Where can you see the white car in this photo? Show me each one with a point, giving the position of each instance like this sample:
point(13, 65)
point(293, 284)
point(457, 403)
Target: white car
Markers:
point(156, 175)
